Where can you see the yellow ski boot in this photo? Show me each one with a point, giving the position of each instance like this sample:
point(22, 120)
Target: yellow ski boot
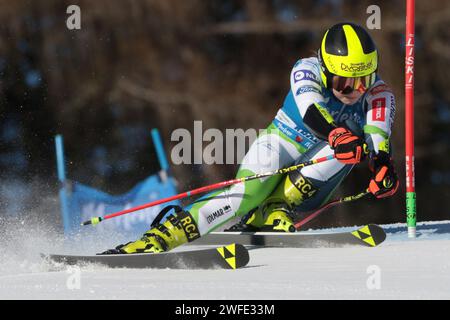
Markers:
point(279, 220)
point(175, 231)
point(275, 218)
point(276, 212)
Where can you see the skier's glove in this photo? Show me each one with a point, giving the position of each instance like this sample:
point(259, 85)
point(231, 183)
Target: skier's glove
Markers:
point(384, 182)
point(348, 147)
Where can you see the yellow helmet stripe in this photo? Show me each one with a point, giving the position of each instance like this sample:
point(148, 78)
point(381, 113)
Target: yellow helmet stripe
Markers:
point(353, 43)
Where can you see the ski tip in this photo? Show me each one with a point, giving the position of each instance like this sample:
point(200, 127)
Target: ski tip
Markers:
point(371, 235)
point(234, 256)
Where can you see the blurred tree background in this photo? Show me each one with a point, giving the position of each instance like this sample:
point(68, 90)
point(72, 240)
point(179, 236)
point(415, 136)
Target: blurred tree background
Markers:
point(139, 64)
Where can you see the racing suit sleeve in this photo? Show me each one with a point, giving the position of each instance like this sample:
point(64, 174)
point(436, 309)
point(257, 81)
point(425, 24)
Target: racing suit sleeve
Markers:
point(380, 113)
point(307, 89)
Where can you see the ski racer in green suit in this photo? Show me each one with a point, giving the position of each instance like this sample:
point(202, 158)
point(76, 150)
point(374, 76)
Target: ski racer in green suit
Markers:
point(337, 105)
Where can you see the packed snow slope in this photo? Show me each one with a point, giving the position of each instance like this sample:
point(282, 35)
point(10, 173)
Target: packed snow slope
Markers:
point(400, 268)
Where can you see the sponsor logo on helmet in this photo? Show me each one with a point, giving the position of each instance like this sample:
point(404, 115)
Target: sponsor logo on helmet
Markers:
point(305, 75)
point(356, 67)
point(331, 65)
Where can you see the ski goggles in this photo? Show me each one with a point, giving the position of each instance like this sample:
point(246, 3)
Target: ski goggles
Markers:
point(346, 85)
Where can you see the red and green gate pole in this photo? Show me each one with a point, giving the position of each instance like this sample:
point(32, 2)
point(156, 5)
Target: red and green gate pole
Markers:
point(409, 121)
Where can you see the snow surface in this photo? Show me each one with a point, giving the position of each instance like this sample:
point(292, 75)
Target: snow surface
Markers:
point(408, 269)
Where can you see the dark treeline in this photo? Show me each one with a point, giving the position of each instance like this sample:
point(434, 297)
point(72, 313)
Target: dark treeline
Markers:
point(135, 65)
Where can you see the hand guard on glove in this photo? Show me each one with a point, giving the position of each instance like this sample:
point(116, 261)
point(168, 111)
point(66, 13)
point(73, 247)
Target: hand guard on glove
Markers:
point(348, 147)
point(384, 182)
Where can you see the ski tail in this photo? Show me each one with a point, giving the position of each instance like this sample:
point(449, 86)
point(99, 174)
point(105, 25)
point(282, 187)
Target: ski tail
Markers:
point(236, 256)
point(370, 235)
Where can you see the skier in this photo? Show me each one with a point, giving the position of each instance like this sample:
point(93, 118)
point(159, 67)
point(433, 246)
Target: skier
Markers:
point(337, 105)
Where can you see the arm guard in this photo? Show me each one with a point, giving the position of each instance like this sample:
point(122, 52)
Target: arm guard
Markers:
point(318, 121)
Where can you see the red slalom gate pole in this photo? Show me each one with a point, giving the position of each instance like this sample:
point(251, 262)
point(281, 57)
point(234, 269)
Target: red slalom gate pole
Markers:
point(96, 220)
point(409, 121)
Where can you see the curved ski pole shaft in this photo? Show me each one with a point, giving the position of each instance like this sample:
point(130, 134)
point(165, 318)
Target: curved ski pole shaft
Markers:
point(223, 184)
point(331, 204)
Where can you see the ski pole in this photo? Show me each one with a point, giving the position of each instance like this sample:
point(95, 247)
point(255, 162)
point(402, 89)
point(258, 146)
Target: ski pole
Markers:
point(329, 205)
point(219, 185)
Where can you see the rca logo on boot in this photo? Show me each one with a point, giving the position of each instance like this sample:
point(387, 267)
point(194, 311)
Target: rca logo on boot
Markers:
point(306, 189)
point(190, 228)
